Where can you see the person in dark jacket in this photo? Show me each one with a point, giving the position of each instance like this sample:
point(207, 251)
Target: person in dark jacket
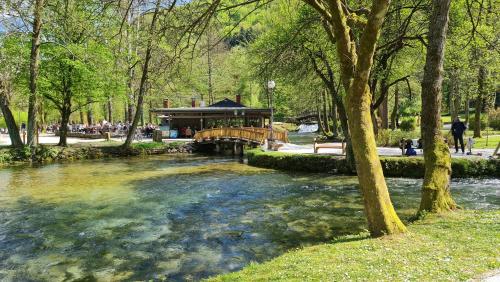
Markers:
point(457, 129)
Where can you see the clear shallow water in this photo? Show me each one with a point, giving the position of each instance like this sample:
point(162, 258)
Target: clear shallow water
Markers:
point(181, 218)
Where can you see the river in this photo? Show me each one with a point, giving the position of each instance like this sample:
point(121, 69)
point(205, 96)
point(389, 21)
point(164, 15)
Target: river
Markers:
point(178, 217)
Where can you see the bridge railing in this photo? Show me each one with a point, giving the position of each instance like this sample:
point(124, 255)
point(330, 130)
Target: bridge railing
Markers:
point(252, 134)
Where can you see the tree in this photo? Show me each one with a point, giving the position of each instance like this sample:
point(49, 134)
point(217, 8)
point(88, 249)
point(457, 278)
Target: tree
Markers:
point(144, 78)
point(34, 64)
point(75, 62)
point(356, 59)
point(11, 69)
point(436, 195)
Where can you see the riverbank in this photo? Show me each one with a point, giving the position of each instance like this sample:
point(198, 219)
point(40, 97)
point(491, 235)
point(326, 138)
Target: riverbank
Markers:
point(456, 246)
point(412, 167)
point(49, 153)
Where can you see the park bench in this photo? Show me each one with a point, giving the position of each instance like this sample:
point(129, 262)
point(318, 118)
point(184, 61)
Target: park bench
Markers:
point(326, 144)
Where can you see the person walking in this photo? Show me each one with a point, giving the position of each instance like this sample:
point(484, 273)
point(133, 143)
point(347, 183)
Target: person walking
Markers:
point(457, 129)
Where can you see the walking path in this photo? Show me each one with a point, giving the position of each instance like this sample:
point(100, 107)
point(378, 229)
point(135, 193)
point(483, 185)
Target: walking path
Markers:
point(51, 139)
point(382, 151)
point(288, 148)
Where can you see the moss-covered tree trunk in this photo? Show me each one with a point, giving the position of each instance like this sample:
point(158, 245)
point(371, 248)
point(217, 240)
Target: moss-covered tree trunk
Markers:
point(382, 218)
point(436, 195)
point(356, 60)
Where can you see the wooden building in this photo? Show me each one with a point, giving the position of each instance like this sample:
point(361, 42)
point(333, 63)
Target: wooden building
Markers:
point(225, 113)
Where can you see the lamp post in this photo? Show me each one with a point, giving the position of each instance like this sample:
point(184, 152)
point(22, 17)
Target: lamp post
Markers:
point(270, 86)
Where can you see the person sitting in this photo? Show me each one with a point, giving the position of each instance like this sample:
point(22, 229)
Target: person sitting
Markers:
point(189, 132)
point(409, 151)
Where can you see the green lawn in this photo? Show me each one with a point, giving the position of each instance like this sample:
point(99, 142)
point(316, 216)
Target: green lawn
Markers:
point(480, 143)
point(451, 247)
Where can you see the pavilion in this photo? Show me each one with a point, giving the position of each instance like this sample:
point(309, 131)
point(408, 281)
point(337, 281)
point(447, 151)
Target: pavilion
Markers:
point(225, 113)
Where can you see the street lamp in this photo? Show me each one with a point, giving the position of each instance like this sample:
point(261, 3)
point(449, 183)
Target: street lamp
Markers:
point(270, 86)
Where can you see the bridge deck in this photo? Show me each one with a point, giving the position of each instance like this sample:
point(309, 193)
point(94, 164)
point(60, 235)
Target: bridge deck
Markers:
point(253, 135)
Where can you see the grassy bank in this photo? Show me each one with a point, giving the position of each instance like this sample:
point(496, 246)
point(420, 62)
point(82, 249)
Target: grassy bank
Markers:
point(456, 246)
point(393, 166)
point(47, 153)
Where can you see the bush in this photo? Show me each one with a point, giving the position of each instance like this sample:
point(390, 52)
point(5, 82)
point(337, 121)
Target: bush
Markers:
point(391, 138)
point(472, 122)
point(408, 125)
point(393, 166)
point(494, 119)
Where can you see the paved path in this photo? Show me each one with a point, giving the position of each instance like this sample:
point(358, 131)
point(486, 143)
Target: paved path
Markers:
point(289, 148)
point(51, 139)
point(383, 151)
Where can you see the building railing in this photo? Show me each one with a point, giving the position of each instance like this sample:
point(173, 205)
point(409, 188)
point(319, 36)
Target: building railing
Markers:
point(252, 134)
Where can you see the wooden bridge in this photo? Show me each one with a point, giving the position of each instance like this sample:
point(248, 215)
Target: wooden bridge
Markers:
point(249, 135)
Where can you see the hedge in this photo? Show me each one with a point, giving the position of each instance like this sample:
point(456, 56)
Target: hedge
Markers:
point(48, 153)
point(411, 167)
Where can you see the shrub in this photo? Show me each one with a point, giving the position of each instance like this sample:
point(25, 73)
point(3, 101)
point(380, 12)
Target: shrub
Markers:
point(391, 138)
point(5, 156)
point(472, 122)
point(148, 145)
point(393, 166)
point(494, 119)
point(408, 124)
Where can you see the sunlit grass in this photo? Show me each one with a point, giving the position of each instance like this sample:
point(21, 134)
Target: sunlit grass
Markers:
point(455, 246)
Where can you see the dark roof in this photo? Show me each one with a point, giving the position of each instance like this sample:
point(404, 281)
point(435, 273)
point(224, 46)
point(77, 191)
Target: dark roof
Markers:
point(226, 103)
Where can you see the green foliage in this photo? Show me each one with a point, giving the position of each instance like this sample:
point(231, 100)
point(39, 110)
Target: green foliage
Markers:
point(19, 117)
point(442, 247)
point(408, 124)
point(494, 119)
point(472, 122)
point(391, 138)
point(48, 153)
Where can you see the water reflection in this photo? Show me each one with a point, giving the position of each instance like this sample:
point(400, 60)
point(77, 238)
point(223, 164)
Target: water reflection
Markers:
point(181, 218)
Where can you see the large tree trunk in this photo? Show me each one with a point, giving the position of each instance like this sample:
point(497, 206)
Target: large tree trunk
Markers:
point(355, 72)
point(334, 116)
point(15, 137)
point(63, 129)
point(65, 111)
point(82, 118)
point(395, 109)
point(382, 218)
point(34, 63)
point(436, 196)
point(110, 110)
point(467, 109)
point(144, 78)
point(384, 106)
point(454, 96)
point(90, 113)
point(345, 130)
point(481, 80)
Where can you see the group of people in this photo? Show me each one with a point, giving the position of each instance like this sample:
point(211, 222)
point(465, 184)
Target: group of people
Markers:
point(118, 128)
point(457, 131)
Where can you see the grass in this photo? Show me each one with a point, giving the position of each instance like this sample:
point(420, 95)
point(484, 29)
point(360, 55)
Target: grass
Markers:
point(455, 246)
point(480, 143)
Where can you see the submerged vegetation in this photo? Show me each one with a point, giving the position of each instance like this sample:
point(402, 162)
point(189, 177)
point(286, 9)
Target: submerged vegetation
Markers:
point(456, 246)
